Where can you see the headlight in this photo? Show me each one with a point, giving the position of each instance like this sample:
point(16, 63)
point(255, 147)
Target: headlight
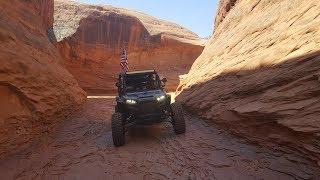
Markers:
point(161, 98)
point(130, 101)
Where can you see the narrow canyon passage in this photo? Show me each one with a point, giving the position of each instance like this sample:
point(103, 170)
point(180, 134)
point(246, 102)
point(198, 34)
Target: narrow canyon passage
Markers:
point(82, 148)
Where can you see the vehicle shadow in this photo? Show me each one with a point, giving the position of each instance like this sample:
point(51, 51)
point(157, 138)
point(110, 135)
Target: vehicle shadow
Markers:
point(157, 130)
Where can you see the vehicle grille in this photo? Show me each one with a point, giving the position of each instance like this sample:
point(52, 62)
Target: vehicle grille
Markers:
point(148, 107)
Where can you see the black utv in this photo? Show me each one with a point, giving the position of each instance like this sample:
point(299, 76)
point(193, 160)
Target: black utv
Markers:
point(142, 100)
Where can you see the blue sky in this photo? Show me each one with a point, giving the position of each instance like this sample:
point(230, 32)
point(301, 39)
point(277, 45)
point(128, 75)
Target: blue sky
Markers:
point(197, 16)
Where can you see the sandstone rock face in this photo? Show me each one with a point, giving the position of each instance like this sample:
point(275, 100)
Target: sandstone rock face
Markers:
point(259, 74)
point(224, 7)
point(36, 91)
point(45, 10)
point(90, 38)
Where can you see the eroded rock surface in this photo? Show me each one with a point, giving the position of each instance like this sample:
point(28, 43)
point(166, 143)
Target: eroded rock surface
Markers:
point(259, 74)
point(90, 39)
point(45, 9)
point(82, 149)
point(35, 90)
point(224, 7)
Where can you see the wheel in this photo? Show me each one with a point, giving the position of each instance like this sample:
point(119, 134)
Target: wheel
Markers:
point(118, 131)
point(178, 122)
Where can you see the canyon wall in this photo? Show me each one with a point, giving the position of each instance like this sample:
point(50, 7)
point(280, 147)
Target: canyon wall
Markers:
point(90, 39)
point(36, 91)
point(259, 75)
point(45, 10)
point(224, 7)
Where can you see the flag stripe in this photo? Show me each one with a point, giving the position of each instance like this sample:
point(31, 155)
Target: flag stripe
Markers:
point(124, 61)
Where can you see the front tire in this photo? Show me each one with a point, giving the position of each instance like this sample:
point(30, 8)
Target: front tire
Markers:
point(178, 121)
point(118, 130)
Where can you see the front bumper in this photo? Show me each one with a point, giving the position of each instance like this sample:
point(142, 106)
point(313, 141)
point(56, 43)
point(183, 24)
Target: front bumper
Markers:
point(148, 111)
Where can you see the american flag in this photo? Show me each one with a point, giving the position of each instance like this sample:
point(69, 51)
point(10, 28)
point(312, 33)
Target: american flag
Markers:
point(124, 60)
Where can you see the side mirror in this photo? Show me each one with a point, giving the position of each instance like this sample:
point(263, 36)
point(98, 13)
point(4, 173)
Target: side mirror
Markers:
point(117, 84)
point(164, 80)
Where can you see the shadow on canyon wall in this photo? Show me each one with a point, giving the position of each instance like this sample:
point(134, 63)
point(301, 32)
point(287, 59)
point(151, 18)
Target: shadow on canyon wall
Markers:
point(275, 105)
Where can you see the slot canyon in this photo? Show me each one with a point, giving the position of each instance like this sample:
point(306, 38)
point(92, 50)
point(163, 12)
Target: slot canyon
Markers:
point(250, 93)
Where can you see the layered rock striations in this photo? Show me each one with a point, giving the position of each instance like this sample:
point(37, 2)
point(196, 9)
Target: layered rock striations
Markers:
point(259, 74)
point(224, 7)
point(90, 39)
point(36, 91)
point(45, 10)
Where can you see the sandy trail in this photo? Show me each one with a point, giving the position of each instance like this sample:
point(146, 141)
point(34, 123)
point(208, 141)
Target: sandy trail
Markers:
point(82, 148)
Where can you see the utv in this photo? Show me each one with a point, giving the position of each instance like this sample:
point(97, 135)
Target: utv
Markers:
point(142, 100)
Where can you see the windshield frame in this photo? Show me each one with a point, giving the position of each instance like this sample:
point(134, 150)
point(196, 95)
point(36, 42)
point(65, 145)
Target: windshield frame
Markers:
point(157, 82)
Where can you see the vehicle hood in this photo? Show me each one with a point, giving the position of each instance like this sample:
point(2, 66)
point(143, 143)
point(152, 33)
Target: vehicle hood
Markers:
point(144, 95)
